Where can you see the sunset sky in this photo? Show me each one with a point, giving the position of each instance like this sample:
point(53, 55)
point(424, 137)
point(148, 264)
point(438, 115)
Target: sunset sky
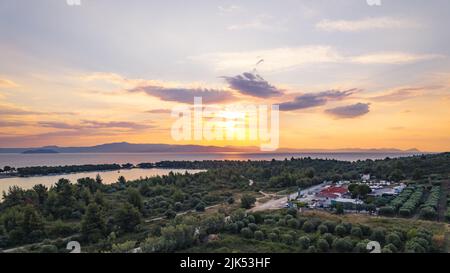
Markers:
point(345, 74)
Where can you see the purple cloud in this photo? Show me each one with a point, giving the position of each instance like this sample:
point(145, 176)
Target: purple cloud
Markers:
point(252, 85)
point(185, 95)
point(310, 100)
point(349, 111)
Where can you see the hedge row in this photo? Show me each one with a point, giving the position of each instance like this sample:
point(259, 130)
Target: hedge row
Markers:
point(409, 207)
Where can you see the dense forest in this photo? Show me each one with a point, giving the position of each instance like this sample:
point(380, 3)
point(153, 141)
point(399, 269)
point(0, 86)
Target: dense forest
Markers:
point(150, 212)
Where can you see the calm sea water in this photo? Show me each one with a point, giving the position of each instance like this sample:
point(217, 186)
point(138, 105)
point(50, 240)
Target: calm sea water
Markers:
point(108, 177)
point(26, 160)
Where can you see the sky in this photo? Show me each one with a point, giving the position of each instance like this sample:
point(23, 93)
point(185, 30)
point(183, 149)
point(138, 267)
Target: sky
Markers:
point(345, 74)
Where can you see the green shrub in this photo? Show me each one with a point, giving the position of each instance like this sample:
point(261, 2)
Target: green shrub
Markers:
point(304, 242)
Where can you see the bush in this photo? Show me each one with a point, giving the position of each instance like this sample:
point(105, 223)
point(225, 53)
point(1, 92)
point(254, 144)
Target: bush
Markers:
point(293, 223)
point(343, 245)
point(340, 230)
point(356, 232)
point(170, 214)
point(125, 247)
point(293, 212)
point(304, 242)
point(331, 225)
point(61, 229)
point(287, 239)
point(312, 249)
point(247, 233)
point(247, 201)
point(394, 239)
point(428, 213)
point(200, 207)
point(259, 235)
point(308, 227)
point(253, 226)
point(378, 235)
point(48, 249)
point(322, 245)
point(389, 248)
point(361, 247)
point(387, 211)
point(322, 228)
point(329, 238)
point(273, 237)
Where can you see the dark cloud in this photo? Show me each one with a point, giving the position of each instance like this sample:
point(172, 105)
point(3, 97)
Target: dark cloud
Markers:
point(349, 111)
point(252, 85)
point(311, 100)
point(185, 95)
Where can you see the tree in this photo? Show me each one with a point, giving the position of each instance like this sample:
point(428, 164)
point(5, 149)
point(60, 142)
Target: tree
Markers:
point(93, 225)
point(343, 245)
point(308, 226)
point(322, 245)
point(304, 242)
point(42, 193)
point(378, 234)
point(340, 230)
point(127, 218)
point(259, 235)
point(200, 207)
point(247, 233)
point(135, 198)
point(170, 214)
point(247, 201)
point(356, 232)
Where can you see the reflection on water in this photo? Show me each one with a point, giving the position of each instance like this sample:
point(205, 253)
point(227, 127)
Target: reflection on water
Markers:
point(108, 177)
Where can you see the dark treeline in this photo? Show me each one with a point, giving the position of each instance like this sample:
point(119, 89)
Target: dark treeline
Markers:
point(307, 171)
point(49, 170)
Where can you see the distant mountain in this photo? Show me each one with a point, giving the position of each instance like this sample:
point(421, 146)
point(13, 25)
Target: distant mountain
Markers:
point(124, 147)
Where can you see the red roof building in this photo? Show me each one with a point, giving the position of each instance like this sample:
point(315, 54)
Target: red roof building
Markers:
point(332, 192)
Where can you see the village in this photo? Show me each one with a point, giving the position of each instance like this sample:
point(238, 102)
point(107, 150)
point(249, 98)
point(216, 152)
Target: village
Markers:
point(329, 195)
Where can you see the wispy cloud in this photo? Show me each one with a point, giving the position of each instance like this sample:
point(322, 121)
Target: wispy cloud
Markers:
point(349, 111)
point(262, 22)
point(291, 57)
point(310, 100)
point(229, 9)
point(403, 94)
point(275, 59)
point(9, 110)
point(393, 58)
point(5, 123)
point(252, 84)
point(4, 83)
point(365, 24)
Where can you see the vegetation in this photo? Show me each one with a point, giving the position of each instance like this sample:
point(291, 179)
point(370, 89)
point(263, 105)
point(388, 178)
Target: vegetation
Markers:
point(146, 213)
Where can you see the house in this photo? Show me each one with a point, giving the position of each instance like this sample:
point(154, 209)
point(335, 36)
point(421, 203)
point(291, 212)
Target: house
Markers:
point(365, 177)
